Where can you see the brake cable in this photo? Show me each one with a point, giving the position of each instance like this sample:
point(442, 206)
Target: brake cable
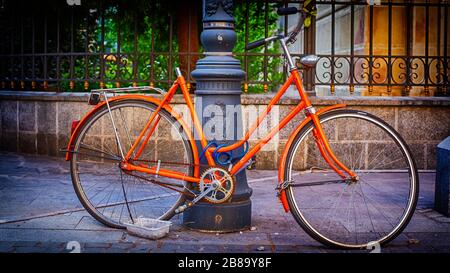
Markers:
point(306, 12)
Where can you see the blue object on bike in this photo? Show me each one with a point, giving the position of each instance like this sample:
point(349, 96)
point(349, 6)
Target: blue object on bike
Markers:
point(217, 155)
point(206, 148)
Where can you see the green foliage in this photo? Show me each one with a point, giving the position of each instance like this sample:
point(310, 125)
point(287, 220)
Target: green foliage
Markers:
point(131, 60)
point(124, 18)
point(257, 30)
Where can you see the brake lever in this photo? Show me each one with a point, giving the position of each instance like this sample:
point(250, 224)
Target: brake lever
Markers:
point(292, 40)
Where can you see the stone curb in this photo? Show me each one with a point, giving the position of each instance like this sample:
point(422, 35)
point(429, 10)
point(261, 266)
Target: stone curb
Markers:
point(254, 99)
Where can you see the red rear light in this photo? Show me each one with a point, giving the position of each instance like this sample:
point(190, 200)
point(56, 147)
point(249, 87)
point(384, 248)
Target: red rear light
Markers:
point(74, 126)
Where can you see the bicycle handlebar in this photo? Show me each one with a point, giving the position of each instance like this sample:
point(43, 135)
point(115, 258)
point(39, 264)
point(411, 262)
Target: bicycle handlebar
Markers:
point(287, 11)
point(291, 36)
point(263, 41)
point(256, 44)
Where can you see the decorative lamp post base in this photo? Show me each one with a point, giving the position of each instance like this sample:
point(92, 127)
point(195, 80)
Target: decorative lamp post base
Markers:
point(229, 217)
point(218, 76)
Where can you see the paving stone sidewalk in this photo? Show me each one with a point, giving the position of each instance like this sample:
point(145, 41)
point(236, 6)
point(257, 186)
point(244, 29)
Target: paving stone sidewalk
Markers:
point(40, 212)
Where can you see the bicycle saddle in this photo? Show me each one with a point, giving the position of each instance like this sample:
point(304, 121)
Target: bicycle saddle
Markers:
point(308, 61)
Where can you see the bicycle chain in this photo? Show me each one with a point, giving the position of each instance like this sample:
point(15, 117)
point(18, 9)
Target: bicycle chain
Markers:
point(162, 184)
point(173, 163)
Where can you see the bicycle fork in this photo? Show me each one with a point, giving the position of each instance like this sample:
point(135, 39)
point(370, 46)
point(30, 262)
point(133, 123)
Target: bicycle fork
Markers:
point(326, 152)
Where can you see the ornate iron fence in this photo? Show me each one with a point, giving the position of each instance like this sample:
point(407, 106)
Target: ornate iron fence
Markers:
point(398, 47)
point(403, 49)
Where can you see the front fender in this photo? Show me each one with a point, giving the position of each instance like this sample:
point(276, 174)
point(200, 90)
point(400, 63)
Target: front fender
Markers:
point(138, 97)
point(289, 143)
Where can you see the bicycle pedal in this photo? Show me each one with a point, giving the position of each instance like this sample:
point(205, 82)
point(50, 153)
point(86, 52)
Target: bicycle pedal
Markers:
point(184, 207)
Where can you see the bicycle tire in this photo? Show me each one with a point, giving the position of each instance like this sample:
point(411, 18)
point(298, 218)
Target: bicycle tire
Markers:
point(306, 224)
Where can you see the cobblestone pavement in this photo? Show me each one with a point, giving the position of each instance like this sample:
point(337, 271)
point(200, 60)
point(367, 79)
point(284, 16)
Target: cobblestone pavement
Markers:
point(40, 212)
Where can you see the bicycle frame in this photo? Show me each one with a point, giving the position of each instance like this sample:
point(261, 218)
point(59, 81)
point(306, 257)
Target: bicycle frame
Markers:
point(304, 104)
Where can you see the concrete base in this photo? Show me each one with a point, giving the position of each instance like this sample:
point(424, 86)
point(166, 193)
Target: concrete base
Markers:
point(221, 218)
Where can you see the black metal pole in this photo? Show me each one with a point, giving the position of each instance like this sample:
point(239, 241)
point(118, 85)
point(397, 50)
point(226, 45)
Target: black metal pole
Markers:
point(218, 76)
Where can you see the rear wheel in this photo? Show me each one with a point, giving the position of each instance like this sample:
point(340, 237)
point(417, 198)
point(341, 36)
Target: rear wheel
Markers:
point(375, 209)
point(115, 197)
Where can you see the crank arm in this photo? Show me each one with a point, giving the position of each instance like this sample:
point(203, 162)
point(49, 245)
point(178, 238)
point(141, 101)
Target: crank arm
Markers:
point(203, 194)
point(199, 197)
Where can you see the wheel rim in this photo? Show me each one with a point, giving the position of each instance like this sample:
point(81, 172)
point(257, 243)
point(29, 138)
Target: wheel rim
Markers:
point(113, 196)
point(320, 207)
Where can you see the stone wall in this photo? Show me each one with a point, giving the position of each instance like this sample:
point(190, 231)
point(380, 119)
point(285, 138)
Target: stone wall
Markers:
point(40, 122)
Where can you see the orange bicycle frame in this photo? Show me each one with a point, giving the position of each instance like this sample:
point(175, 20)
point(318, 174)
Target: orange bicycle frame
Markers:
point(321, 139)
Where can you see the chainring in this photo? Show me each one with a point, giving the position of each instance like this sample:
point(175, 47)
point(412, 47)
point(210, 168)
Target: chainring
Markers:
point(221, 180)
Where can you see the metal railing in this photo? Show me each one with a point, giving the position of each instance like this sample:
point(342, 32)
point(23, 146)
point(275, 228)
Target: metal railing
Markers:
point(368, 49)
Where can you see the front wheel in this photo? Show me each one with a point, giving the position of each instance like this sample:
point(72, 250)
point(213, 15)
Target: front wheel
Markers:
point(372, 211)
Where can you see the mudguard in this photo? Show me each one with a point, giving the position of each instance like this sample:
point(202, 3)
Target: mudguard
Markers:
point(289, 143)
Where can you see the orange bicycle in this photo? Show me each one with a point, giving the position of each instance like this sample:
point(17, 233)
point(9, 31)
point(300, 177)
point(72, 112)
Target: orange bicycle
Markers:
point(347, 177)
